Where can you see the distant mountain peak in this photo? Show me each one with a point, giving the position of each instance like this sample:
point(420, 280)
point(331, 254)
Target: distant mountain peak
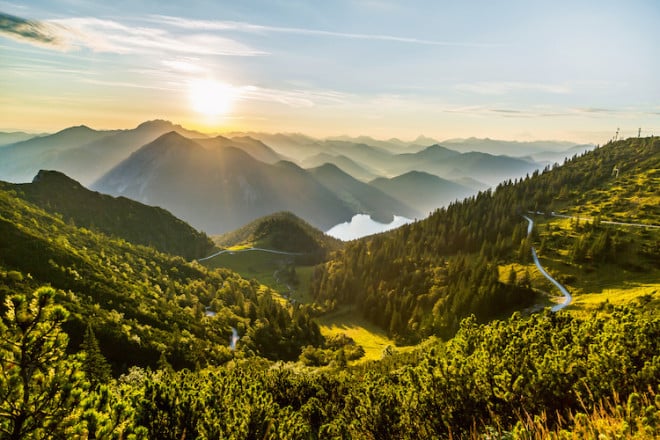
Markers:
point(171, 137)
point(424, 140)
point(157, 123)
point(54, 178)
point(167, 143)
point(288, 165)
point(329, 167)
point(76, 128)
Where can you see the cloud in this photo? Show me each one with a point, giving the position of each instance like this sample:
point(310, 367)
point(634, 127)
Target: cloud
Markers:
point(125, 84)
point(503, 88)
point(111, 36)
point(293, 98)
point(31, 31)
point(595, 110)
point(184, 65)
point(219, 25)
point(114, 37)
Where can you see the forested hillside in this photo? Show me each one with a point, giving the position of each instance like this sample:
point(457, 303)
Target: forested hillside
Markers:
point(282, 231)
point(143, 305)
point(422, 278)
point(120, 217)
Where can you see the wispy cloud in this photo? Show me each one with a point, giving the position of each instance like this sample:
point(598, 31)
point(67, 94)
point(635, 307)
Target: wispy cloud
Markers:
point(504, 87)
point(184, 65)
point(297, 98)
point(31, 31)
point(220, 25)
point(595, 110)
point(111, 36)
point(126, 84)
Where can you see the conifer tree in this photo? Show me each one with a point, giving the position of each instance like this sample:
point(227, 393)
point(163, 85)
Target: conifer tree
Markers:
point(95, 366)
point(40, 387)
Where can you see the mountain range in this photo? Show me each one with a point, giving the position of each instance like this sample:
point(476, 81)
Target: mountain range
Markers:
point(220, 183)
point(80, 152)
point(219, 190)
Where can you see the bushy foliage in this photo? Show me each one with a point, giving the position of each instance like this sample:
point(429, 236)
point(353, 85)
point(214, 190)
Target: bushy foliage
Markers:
point(520, 377)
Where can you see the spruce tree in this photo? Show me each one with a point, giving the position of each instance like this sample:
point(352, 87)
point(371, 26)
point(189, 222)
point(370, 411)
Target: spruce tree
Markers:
point(95, 366)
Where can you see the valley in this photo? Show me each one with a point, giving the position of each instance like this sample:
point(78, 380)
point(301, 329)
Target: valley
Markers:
point(373, 219)
point(314, 312)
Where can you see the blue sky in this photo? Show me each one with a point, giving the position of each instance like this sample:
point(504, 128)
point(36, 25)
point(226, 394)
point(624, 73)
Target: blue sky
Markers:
point(522, 70)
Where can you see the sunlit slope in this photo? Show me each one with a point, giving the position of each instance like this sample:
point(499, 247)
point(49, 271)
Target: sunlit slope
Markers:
point(419, 279)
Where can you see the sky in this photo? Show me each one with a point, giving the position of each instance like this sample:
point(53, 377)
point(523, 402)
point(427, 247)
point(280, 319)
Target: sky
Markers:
point(517, 70)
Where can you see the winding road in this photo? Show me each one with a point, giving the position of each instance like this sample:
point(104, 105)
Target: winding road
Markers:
point(227, 251)
point(567, 296)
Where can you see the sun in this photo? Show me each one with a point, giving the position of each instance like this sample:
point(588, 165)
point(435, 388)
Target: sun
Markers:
point(211, 98)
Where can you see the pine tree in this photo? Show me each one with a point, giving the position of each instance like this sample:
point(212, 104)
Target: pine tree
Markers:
point(512, 276)
point(95, 366)
point(40, 387)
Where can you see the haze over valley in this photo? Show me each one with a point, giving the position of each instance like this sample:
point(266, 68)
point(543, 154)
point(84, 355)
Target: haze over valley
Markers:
point(219, 183)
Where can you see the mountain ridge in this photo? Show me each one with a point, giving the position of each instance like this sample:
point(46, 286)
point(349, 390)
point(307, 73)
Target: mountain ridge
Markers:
point(118, 217)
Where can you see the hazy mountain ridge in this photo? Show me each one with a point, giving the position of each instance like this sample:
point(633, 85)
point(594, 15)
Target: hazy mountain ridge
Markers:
point(358, 170)
point(21, 161)
point(361, 197)
point(450, 164)
point(120, 217)
point(251, 146)
point(386, 159)
point(80, 152)
point(8, 138)
point(222, 189)
point(511, 148)
point(92, 157)
point(423, 191)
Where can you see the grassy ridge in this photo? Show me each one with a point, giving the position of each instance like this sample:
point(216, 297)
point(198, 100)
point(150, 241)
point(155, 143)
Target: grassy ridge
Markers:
point(632, 275)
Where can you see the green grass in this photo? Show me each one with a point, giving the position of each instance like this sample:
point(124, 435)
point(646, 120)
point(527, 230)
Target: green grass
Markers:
point(633, 280)
point(631, 197)
point(239, 247)
point(348, 321)
point(262, 267)
point(647, 294)
point(304, 278)
point(252, 264)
